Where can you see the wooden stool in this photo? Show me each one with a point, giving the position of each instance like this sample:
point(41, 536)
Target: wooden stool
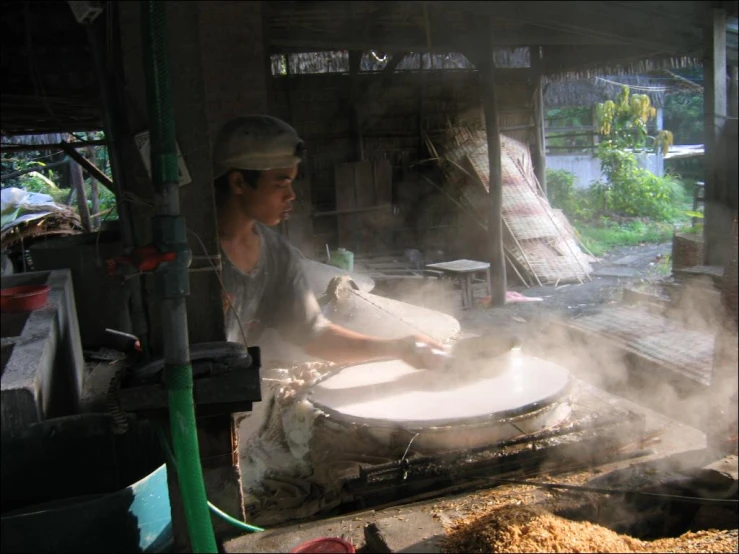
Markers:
point(465, 271)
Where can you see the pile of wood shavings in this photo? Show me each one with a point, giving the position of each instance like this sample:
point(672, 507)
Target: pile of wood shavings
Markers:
point(533, 529)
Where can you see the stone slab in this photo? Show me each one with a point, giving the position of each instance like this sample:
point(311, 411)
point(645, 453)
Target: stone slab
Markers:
point(624, 272)
point(284, 539)
point(626, 260)
point(412, 533)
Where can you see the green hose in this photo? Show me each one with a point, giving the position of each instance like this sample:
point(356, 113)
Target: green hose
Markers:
point(178, 380)
point(172, 279)
point(213, 508)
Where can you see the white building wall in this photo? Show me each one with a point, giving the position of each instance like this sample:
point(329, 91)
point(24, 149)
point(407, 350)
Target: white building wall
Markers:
point(587, 169)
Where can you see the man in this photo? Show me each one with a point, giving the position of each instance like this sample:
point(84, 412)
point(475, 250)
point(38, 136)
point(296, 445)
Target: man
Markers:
point(256, 161)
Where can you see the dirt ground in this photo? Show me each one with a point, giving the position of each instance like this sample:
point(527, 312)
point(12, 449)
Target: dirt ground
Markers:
point(621, 268)
point(631, 266)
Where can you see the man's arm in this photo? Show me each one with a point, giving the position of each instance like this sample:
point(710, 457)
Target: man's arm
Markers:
point(340, 345)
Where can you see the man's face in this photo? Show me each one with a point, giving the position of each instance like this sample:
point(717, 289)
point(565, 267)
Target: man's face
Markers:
point(271, 202)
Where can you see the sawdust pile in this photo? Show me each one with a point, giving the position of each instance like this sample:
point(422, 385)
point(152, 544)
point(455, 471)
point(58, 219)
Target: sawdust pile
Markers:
point(533, 529)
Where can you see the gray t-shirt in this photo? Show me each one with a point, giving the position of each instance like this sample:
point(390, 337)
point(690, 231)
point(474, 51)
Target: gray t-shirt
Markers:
point(275, 294)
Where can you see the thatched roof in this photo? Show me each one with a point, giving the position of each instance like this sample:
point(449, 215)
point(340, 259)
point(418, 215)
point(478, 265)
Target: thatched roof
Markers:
point(634, 67)
point(49, 84)
point(588, 92)
point(338, 61)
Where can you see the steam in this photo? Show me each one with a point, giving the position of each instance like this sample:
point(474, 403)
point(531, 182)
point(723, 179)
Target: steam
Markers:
point(695, 312)
point(294, 471)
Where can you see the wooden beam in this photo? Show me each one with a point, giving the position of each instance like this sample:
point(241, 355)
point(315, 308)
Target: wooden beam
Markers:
point(560, 59)
point(495, 189)
point(355, 58)
point(46, 147)
point(369, 95)
point(311, 40)
point(717, 222)
point(352, 210)
point(733, 91)
point(305, 41)
point(604, 20)
point(94, 172)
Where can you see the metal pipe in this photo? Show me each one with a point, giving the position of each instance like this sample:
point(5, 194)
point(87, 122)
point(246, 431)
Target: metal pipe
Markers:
point(172, 282)
point(174, 322)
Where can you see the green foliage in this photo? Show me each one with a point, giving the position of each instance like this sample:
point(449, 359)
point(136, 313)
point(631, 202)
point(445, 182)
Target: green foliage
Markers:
point(560, 189)
point(623, 123)
point(683, 113)
point(51, 182)
point(562, 194)
point(607, 234)
point(629, 189)
point(633, 191)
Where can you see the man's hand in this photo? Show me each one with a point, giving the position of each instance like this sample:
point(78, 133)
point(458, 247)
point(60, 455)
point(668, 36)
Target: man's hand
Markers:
point(423, 352)
point(343, 346)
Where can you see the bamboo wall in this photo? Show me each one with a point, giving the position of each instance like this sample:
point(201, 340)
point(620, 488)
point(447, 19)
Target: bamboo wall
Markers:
point(407, 105)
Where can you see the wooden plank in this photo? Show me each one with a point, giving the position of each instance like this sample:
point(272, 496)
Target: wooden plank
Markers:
point(88, 165)
point(383, 181)
point(364, 184)
point(344, 186)
point(383, 277)
point(399, 266)
point(345, 200)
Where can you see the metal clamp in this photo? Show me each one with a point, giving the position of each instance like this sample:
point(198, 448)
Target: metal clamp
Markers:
point(143, 259)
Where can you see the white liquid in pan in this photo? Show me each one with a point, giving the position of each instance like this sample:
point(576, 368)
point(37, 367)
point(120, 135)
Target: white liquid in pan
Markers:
point(394, 391)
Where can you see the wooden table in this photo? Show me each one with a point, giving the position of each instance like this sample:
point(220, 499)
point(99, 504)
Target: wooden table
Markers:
point(465, 271)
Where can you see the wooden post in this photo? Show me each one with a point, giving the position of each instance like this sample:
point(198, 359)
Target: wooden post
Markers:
point(495, 194)
point(355, 58)
point(717, 223)
point(540, 156)
point(78, 184)
point(733, 91)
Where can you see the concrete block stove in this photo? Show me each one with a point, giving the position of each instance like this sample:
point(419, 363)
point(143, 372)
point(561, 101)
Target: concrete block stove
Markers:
point(42, 362)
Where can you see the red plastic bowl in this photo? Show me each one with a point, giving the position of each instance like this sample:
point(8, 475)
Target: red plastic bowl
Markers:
point(326, 545)
point(24, 299)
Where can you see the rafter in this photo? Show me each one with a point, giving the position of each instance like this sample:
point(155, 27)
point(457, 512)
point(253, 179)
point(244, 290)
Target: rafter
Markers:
point(591, 19)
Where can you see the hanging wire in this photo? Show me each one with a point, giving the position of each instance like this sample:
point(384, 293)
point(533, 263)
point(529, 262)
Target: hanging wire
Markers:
point(633, 87)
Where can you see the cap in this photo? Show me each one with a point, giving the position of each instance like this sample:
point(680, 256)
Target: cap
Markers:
point(256, 142)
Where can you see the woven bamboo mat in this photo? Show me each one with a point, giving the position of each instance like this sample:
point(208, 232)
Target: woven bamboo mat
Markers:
point(654, 338)
point(541, 241)
point(684, 351)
